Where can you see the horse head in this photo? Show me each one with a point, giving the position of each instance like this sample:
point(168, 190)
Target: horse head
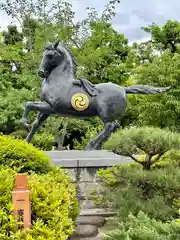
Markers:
point(56, 54)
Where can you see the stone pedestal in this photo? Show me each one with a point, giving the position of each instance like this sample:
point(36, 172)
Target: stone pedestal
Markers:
point(82, 167)
point(21, 202)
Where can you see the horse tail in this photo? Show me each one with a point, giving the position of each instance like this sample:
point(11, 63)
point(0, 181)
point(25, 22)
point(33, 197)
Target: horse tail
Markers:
point(145, 89)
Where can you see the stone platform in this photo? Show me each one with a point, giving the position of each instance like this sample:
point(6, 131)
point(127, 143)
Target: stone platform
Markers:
point(75, 158)
point(82, 167)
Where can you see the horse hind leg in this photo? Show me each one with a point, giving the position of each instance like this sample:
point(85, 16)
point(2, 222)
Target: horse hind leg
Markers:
point(91, 145)
point(116, 126)
point(109, 131)
point(103, 136)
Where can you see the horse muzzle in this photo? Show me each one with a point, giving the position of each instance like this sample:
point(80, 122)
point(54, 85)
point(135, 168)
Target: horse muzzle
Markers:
point(43, 74)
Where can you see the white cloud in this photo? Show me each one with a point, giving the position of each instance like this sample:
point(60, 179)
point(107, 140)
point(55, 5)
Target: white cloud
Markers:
point(4, 20)
point(131, 15)
point(137, 14)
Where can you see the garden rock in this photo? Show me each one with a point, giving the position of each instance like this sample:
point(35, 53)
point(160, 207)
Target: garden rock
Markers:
point(84, 231)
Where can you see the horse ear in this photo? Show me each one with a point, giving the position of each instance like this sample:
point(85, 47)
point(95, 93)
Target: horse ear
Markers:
point(48, 45)
point(56, 44)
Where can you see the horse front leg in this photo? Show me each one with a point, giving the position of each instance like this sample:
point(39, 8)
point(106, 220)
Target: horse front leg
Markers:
point(42, 107)
point(36, 125)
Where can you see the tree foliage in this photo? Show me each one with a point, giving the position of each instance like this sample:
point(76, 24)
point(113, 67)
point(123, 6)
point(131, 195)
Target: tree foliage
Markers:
point(160, 110)
point(142, 227)
point(103, 56)
point(12, 36)
point(166, 37)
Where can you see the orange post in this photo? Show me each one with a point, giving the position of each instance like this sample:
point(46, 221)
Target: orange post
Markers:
point(21, 201)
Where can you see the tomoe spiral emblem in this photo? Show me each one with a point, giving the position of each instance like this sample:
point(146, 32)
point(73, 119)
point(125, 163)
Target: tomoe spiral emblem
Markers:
point(80, 101)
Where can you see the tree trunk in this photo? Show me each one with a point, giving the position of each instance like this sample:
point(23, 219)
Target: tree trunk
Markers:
point(147, 163)
point(61, 136)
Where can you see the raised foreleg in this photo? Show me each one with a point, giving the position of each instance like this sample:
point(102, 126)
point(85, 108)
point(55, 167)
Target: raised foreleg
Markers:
point(42, 107)
point(45, 111)
point(36, 125)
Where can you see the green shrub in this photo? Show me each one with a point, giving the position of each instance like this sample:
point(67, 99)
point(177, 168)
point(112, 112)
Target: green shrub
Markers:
point(44, 141)
point(134, 189)
point(153, 142)
point(91, 133)
point(144, 228)
point(21, 156)
point(176, 205)
point(54, 206)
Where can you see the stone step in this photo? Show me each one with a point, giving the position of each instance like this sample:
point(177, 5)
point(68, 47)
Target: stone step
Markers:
point(92, 224)
point(89, 238)
point(97, 221)
point(100, 236)
point(97, 212)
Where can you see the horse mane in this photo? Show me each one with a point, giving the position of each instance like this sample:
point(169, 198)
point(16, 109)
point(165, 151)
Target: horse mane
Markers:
point(72, 58)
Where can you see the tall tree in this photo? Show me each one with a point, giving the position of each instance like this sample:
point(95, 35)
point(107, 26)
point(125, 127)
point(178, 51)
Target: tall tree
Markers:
point(12, 35)
point(160, 110)
point(166, 37)
point(103, 56)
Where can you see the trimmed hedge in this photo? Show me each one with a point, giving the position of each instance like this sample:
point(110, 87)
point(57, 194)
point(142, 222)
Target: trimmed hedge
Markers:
point(54, 206)
point(22, 157)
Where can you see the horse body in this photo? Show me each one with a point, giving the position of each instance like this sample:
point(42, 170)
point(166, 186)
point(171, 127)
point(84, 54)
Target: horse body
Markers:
point(63, 95)
point(111, 98)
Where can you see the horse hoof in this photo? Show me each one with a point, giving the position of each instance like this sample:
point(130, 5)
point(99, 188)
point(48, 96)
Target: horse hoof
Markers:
point(117, 126)
point(97, 147)
point(88, 148)
point(25, 125)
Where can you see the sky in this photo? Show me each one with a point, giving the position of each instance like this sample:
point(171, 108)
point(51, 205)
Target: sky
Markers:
point(131, 14)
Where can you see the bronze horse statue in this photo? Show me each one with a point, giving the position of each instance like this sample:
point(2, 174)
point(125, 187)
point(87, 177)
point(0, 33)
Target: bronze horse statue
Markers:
point(61, 94)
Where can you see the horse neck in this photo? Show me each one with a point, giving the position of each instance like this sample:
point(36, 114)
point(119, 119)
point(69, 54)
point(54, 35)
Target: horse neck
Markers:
point(62, 74)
